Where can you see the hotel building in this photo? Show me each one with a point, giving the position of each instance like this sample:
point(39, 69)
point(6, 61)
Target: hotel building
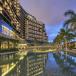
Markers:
point(9, 25)
point(32, 29)
point(15, 25)
point(70, 45)
point(35, 30)
point(26, 25)
point(10, 10)
point(9, 35)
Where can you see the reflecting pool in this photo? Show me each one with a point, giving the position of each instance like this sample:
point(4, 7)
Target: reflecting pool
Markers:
point(58, 65)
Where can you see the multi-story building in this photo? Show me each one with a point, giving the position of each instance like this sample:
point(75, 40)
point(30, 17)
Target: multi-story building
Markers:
point(9, 35)
point(23, 23)
point(11, 11)
point(26, 25)
point(70, 45)
point(33, 30)
point(15, 25)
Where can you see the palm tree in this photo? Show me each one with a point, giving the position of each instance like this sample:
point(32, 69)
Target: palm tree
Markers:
point(71, 22)
point(64, 36)
point(71, 13)
point(67, 36)
point(57, 41)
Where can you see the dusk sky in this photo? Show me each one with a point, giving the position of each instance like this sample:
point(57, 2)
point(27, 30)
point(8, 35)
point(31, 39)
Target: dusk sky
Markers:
point(50, 12)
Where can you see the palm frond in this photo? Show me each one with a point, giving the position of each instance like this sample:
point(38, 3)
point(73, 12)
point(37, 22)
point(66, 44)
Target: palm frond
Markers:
point(69, 13)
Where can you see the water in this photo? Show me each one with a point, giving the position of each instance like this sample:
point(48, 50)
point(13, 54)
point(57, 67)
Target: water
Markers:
point(53, 68)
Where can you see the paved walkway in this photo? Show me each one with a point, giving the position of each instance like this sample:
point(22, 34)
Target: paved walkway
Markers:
point(53, 69)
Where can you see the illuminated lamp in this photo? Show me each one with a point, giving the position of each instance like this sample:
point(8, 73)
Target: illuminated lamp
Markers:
point(0, 9)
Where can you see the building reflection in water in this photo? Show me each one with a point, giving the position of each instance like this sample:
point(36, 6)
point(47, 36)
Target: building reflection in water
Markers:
point(18, 65)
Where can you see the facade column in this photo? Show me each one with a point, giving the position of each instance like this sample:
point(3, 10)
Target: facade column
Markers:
point(0, 45)
point(8, 44)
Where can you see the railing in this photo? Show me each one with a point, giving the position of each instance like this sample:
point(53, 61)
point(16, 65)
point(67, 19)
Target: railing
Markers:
point(72, 52)
point(37, 49)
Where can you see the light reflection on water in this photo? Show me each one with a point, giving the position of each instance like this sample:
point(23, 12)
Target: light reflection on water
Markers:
point(54, 68)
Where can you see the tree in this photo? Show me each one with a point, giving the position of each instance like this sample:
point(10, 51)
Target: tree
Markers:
point(57, 41)
point(67, 36)
point(64, 36)
point(71, 22)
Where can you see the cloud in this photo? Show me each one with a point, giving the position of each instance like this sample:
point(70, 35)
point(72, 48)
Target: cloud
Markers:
point(51, 12)
point(48, 11)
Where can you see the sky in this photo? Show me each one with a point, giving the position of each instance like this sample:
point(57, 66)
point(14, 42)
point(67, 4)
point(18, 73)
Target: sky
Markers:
point(50, 12)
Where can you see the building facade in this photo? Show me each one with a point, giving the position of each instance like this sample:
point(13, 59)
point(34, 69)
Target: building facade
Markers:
point(70, 45)
point(16, 24)
point(9, 36)
point(35, 30)
point(25, 25)
point(32, 29)
point(10, 11)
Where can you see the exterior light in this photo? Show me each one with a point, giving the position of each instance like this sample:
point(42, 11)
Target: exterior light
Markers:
point(0, 9)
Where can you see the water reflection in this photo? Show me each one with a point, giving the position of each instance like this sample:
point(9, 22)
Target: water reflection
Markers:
point(10, 63)
point(60, 65)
